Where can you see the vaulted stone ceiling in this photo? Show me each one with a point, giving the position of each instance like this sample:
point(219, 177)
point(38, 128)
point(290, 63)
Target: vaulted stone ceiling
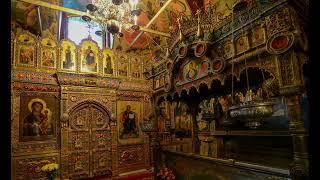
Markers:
point(25, 15)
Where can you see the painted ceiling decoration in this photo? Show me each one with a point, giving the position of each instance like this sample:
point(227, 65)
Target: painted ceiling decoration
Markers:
point(25, 17)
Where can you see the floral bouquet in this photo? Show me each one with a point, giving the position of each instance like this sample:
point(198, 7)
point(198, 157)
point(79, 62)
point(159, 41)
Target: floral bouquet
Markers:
point(166, 174)
point(51, 170)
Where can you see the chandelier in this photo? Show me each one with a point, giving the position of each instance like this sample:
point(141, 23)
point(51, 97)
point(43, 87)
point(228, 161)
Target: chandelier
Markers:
point(114, 15)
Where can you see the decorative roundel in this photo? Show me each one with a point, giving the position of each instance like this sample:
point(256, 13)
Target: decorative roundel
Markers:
point(183, 51)
point(218, 65)
point(200, 49)
point(280, 42)
point(64, 117)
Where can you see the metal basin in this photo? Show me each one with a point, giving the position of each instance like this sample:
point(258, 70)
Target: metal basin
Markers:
point(252, 112)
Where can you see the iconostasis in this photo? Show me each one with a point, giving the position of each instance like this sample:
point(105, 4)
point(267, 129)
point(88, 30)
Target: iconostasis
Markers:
point(76, 105)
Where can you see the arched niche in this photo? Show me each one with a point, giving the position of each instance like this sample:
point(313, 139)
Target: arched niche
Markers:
point(160, 100)
point(203, 89)
point(169, 98)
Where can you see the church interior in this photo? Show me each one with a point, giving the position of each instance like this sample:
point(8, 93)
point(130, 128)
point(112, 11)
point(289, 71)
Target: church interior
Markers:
point(159, 89)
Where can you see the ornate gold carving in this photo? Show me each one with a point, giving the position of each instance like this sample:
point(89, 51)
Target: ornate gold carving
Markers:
point(131, 157)
point(286, 69)
point(30, 167)
point(278, 22)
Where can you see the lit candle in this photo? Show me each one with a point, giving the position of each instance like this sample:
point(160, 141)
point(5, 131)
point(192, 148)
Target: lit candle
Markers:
point(135, 19)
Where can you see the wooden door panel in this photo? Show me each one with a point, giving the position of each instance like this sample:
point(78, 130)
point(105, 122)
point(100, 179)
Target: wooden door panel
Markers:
point(80, 120)
point(100, 142)
point(79, 141)
point(90, 142)
point(79, 164)
point(101, 162)
point(100, 119)
point(101, 139)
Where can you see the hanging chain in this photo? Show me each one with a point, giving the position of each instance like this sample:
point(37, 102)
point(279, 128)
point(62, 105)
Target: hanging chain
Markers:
point(263, 77)
point(248, 86)
point(245, 62)
point(232, 65)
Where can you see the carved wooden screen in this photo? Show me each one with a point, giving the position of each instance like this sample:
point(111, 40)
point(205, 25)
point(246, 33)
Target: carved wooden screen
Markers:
point(89, 142)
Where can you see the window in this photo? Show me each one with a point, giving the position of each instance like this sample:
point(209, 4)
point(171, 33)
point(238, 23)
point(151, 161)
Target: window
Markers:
point(77, 30)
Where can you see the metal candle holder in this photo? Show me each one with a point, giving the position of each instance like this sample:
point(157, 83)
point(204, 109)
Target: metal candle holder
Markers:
point(253, 112)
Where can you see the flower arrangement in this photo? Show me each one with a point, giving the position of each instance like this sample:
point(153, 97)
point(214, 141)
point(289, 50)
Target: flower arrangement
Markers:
point(166, 174)
point(51, 170)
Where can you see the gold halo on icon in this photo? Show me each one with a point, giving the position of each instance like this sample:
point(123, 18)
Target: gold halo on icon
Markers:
point(37, 100)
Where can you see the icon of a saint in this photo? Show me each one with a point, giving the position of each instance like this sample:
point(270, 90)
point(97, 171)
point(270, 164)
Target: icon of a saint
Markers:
point(90, 60)
point(191, 71)
point(26, 55)
point(129, 123)
point(48, 59)
point(108, 68)
point(68, 64)
point(89, 56)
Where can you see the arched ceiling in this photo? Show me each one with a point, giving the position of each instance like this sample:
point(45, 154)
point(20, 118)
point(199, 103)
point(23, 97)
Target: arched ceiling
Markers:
point(25, 15)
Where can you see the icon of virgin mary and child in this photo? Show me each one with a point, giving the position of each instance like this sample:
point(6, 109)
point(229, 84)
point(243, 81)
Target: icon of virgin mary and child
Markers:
point(128, 119)
point(38, 122)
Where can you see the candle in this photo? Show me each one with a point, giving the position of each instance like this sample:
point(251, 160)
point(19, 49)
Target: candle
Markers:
point(135, 20)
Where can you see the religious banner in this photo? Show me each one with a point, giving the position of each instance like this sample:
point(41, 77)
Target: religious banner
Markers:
point(129, 116)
